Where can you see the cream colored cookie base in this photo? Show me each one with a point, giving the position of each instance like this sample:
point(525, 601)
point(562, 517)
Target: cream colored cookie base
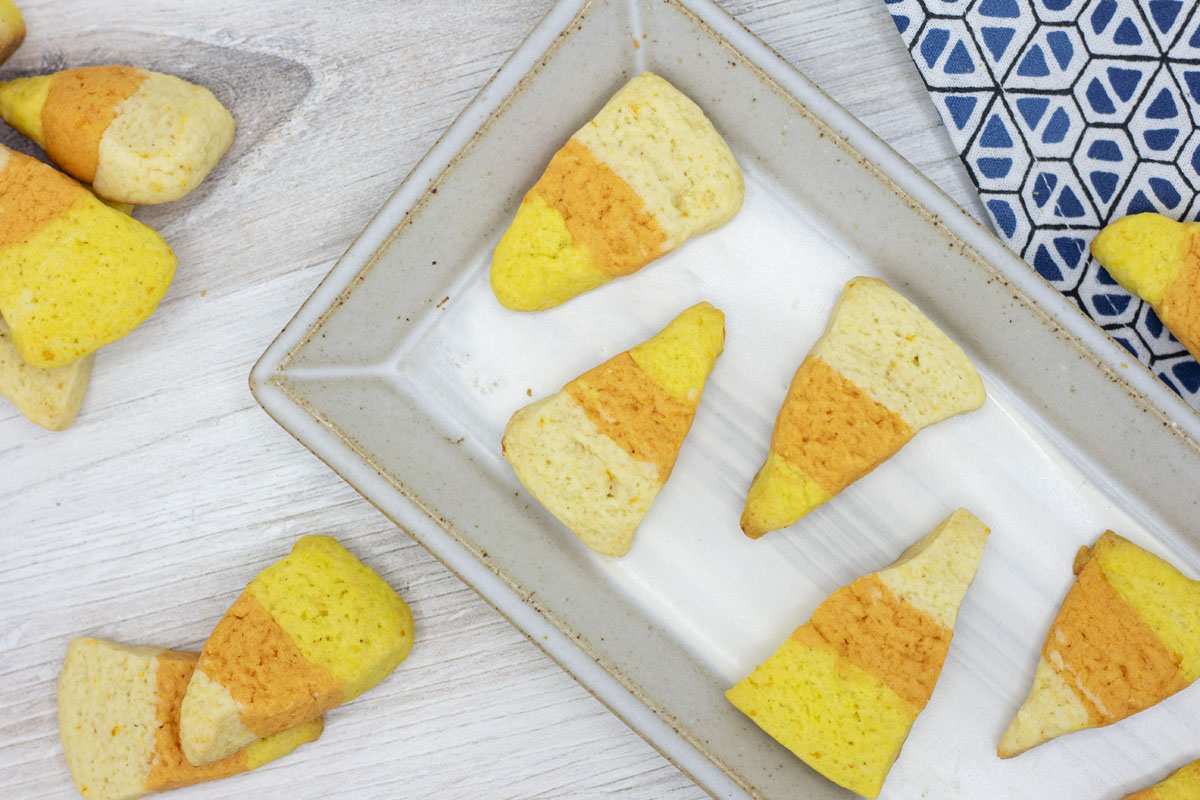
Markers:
point(933, 575)
point(580, 475)
point(100, 682)
point(660, 143)
point(1050, 710)
point(888, 348)
point(49, 397)
point(210, 727)
point(162, 142)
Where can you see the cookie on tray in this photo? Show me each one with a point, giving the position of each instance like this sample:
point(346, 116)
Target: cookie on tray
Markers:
point(135, 135)
point(118, 719)
point(597, 452)
point(1182, 784)
point(844, 689)
point(643, 176)
point(313, 630)
point(881, 372)
point(1127, 636)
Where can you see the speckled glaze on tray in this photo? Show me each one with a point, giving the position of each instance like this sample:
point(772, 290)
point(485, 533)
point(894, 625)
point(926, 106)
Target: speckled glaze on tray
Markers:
point(401, 370)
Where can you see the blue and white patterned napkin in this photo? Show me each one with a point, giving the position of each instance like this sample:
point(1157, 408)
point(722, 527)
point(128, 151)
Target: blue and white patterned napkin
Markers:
point(1069, 114)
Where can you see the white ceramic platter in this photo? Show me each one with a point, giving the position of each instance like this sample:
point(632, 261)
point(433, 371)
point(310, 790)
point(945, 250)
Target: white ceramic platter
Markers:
point(401, 370)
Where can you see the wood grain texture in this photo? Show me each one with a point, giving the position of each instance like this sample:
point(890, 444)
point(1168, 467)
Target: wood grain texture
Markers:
point(144, 521)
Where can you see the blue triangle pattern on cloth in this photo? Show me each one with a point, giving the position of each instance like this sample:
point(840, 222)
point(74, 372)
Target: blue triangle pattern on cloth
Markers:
point(1164, 13)
point(1125, 343)
point(1058, 5)
point(1139, 204)
point(994, 167)
point(1057, 127)
point(902, 22)
point(1006, 9)
point(1195, 40)
point(1068, 204)
point(996, 40)
point(1111, 305)
point(1104, 150)
point(1103, 277)
point(1165, 192)
point(1061, 47)
point(1124, 81)
point(1098, 99)
point(1044, 264)
point(1105, 183)
point(1153, 323)
point(1160, 139)
point(959, 62)
point(1163, 106)
point(1103, 15)
point(960, 108)
point(1192, 79)
point(1188, 373)
point(1043, 187)
point(1127, 34)
point(1069, 249)
point(933, 45)
point(1196, 159)
point(1032, 109)
point(995, 134)
point(1003, 214)
point(1033, 65)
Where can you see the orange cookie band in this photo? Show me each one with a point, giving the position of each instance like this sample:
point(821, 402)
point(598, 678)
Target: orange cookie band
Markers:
point(273, 693)
point(831, 430)
point(889, 639)
point(601, 211)
point(32, 195)
point(1181, 305)
point(80, 106)
point(1107, 654)
point(168, 768)
point(634, 411)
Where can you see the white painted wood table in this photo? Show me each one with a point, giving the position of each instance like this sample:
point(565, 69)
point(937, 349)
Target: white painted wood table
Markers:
point(144, 521)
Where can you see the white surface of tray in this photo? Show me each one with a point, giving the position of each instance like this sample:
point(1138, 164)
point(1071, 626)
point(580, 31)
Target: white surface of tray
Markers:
point(401, 371)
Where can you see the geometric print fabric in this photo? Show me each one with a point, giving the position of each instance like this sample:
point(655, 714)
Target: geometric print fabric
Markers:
point(1069, 114)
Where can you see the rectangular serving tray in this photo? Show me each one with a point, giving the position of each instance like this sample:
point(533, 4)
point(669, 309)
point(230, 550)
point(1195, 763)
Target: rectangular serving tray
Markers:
point(401, 370)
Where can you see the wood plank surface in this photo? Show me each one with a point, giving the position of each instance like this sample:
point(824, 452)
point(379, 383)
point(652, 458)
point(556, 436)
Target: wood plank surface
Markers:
point(144, 521)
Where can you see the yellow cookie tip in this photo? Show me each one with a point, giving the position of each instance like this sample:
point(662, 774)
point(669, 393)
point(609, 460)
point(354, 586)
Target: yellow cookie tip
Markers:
point(1143, 253)
point(537, 264)
point(779, 497)
point(681, 355)
point(21, 102)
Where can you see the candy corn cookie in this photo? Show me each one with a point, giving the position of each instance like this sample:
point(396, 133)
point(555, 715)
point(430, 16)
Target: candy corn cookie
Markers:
point(12, 29)
point(643, 176)
point(311, 631)
point(1126, 637)
point(881, 372)
point(136, 136)
point(50, 397)
point(1182, 784)
point(597, 453)
point(1158, 259)
point(843, 691)
point(118, 718)
point(74, 273)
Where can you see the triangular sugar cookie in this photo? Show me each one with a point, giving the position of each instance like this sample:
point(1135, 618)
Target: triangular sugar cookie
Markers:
point(881, 372)
point(597, 452)
point(843, 691)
